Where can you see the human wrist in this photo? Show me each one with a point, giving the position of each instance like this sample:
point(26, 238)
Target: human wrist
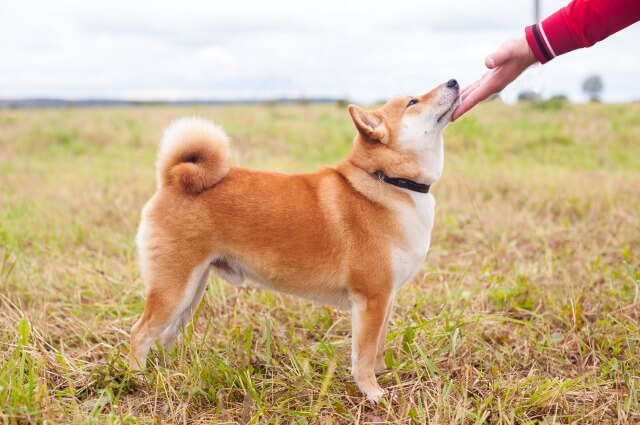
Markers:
point(525, 52)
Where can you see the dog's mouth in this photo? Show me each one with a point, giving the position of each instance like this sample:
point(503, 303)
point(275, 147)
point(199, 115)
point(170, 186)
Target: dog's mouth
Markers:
point(455, 103)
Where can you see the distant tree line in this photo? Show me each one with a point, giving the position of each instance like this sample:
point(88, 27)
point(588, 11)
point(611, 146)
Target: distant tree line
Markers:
point(592, 86)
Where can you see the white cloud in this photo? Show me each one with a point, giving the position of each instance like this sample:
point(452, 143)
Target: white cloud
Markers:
point(246, 49)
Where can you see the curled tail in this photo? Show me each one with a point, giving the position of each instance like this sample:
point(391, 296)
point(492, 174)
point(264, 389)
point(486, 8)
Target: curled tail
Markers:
point(194, 155)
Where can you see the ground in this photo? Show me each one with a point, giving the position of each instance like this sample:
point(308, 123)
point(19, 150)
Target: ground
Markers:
point(527, 307)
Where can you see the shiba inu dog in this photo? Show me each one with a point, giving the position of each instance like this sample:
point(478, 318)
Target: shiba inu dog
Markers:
point(350, 236)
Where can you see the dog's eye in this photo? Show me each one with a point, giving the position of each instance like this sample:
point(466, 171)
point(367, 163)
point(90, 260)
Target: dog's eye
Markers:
point(412, 102)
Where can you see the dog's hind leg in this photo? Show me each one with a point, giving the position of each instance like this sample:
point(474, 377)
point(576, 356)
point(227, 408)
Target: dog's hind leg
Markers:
point(171, 293)
point(157, 317)
point(168, 336)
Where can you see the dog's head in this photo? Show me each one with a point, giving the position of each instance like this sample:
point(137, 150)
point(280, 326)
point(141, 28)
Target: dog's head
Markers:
point(403, 138)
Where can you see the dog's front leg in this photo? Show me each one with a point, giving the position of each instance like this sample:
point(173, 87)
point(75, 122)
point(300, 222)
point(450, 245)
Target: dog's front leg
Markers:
point(368, 317)
point(380, 365)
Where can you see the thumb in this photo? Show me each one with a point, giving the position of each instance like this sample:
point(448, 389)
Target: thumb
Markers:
point(496, 58)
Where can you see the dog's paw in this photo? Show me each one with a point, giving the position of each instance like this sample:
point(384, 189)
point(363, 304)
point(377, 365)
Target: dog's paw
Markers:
point(375, 394)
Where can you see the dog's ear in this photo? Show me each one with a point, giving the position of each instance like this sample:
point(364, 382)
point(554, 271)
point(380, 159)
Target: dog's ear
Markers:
point(370, 126)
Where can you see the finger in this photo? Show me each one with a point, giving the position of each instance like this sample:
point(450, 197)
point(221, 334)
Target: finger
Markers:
point(465, 91)
point(468, 89)
point(464, 104)
point(458, 112)
point(461, 109)
point(477, 96)
point(472, 99)
point(497, 58)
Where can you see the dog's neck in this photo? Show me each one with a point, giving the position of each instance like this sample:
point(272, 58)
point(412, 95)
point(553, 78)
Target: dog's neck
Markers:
point(432, 159)
point(423, 165)
point(365, 160)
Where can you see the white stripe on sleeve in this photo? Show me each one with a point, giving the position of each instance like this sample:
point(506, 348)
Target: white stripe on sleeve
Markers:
point(546, 40)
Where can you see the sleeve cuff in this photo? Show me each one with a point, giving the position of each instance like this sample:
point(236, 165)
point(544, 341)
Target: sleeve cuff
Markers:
point(538, 44)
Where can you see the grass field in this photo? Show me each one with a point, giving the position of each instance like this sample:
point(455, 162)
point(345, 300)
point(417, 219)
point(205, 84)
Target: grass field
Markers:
point(527, 307)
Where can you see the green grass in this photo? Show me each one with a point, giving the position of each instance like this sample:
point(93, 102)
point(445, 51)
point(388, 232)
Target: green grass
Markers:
point(527, 308)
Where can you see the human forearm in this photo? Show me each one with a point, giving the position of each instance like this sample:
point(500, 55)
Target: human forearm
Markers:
point(581, 23)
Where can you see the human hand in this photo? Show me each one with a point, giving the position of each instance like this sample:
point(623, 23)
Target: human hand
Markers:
point(505, 64)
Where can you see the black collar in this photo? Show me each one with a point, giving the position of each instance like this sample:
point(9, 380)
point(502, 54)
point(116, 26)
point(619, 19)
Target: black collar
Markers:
point(403, 183)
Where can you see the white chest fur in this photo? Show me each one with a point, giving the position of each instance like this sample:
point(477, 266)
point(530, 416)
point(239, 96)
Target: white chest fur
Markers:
point(422, 136)
point(416, 223)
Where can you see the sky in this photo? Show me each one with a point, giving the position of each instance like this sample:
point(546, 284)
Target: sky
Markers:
point(363, 51)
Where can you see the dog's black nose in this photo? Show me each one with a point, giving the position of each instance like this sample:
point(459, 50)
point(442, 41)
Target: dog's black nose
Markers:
point(452, 84)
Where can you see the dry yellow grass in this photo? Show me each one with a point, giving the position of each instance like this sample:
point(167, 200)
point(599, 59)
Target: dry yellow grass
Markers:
point(526, 309)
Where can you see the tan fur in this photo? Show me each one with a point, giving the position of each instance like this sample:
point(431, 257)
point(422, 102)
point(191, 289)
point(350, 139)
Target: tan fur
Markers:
point(327, 235)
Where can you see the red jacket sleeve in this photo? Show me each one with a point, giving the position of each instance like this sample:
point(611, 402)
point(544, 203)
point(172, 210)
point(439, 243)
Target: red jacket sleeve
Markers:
point(581, 23)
